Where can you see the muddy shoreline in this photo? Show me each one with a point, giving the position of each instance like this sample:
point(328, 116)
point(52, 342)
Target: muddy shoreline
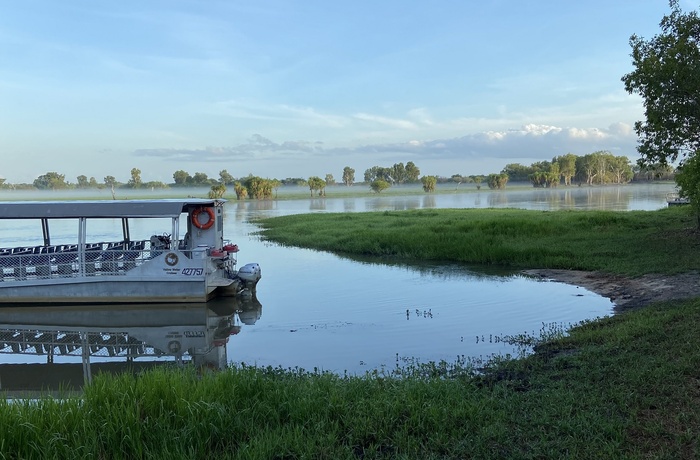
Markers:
point(627, 293)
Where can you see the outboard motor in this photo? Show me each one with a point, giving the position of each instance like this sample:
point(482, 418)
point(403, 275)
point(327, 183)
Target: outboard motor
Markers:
point(250, 274)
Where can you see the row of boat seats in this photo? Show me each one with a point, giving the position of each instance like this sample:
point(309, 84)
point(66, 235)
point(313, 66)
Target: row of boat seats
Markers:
point(68, 253)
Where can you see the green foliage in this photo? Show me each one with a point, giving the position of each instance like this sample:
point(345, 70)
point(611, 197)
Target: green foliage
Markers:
point(181, 177)
point(217, 191)
point(517, 172)
point(497, 181)
point(688, 179)
point(51, 181)
point(429, 183)
point(225, 178)
point(257, 187)
point(240, 190)
point(379, 185)
point(667, 77)
point(135, 181)
point(316, 184)
point(348, 176)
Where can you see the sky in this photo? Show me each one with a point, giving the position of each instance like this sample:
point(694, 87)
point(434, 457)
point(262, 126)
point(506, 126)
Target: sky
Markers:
point(292, 88)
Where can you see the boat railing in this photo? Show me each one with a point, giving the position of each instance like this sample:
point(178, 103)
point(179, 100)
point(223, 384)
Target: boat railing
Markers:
point(53, 343)
point(64, 261)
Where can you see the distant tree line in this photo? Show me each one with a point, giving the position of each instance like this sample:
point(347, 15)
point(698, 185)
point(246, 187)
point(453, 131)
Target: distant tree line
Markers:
point(601, 167)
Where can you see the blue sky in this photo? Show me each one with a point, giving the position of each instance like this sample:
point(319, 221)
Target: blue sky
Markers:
point(300, 88)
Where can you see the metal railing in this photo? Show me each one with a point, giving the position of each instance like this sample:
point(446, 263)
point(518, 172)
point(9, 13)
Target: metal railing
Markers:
point(105, 344)
point(95, 259)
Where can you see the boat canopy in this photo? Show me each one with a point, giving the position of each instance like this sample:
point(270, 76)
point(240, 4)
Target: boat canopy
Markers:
point(101, 208)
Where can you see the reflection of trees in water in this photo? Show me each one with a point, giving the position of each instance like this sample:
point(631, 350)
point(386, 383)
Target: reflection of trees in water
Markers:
point(317, 204)
point(606, 198)
point(497, 199)
point(394, 204)
point(349, 205)
point(242, 209)
point(429, 201)
point(413, 203)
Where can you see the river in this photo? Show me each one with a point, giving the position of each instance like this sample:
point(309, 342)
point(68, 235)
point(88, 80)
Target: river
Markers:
point(315, 310)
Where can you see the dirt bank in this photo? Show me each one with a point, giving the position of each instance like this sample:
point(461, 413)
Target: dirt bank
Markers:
point(628, 293)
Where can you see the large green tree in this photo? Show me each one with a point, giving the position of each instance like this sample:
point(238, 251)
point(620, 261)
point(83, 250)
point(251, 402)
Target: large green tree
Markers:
point(51, 180)
point(667, 76)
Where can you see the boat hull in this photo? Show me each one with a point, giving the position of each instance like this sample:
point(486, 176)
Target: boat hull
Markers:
point(103, 290)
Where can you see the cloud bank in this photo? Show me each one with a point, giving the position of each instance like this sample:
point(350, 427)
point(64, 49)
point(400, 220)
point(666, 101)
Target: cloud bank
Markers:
point(528, 142)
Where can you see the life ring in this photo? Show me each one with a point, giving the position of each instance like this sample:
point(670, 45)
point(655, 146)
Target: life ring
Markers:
point(208, 223)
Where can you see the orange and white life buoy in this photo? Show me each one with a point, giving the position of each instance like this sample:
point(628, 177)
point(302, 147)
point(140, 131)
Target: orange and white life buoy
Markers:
point(203, 225)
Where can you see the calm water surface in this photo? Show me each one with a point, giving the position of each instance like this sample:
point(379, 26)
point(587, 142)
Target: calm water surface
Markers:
point(316, 310)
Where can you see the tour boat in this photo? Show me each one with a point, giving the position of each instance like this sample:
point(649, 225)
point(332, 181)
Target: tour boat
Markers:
point(79, 266)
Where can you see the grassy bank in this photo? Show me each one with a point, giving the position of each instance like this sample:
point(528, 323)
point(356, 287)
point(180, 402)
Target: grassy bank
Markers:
point(623, 387)
point(632, 243)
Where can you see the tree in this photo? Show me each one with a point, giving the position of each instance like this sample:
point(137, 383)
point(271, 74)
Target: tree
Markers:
point(135, 181)
point(412, 172)
point(240, 190)
point(398, 173)
point(110, 181)
point(51, 181)
point(379, 185)
point(83, 181)
point(200, 178)
point(329, 179)
point(316, 183)
point(567, 167)
point(517, 172)
point(688, 179)
point(257, 187)
point(497, 181)
point(478, 179)
point(429, 183)
point(620, 170)
point(348, 176)
point(217, 191)
point(225, 178)
point(181, 177)
point(667, 76)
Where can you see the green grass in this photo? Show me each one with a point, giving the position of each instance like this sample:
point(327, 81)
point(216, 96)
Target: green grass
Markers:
point(631, 243)
point(621, 387)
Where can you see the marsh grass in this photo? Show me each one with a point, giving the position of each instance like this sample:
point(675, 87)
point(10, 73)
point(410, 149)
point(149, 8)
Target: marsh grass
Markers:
point(632, 243)
point(619, 387)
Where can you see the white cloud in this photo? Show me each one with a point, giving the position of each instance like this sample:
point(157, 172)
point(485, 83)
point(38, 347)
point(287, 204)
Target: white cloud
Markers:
point(528, 142)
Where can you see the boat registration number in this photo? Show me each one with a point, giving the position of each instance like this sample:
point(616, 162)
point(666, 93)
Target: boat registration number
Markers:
point(193, 271)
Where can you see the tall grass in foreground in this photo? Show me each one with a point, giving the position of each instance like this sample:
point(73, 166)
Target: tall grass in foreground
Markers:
point(633, 243)
point(621, 387)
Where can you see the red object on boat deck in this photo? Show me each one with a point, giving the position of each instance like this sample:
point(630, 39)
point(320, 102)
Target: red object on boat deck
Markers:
point(231, 248)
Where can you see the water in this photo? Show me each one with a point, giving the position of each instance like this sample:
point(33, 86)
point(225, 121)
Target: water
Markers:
point(318, 311)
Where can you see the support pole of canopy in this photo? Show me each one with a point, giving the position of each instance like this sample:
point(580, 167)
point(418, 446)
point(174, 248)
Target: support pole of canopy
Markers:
point(125, 229)
point(82, 229)
point(45, 230)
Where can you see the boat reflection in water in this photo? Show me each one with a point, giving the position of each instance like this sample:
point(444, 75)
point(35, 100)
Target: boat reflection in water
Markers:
point(62, 347)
